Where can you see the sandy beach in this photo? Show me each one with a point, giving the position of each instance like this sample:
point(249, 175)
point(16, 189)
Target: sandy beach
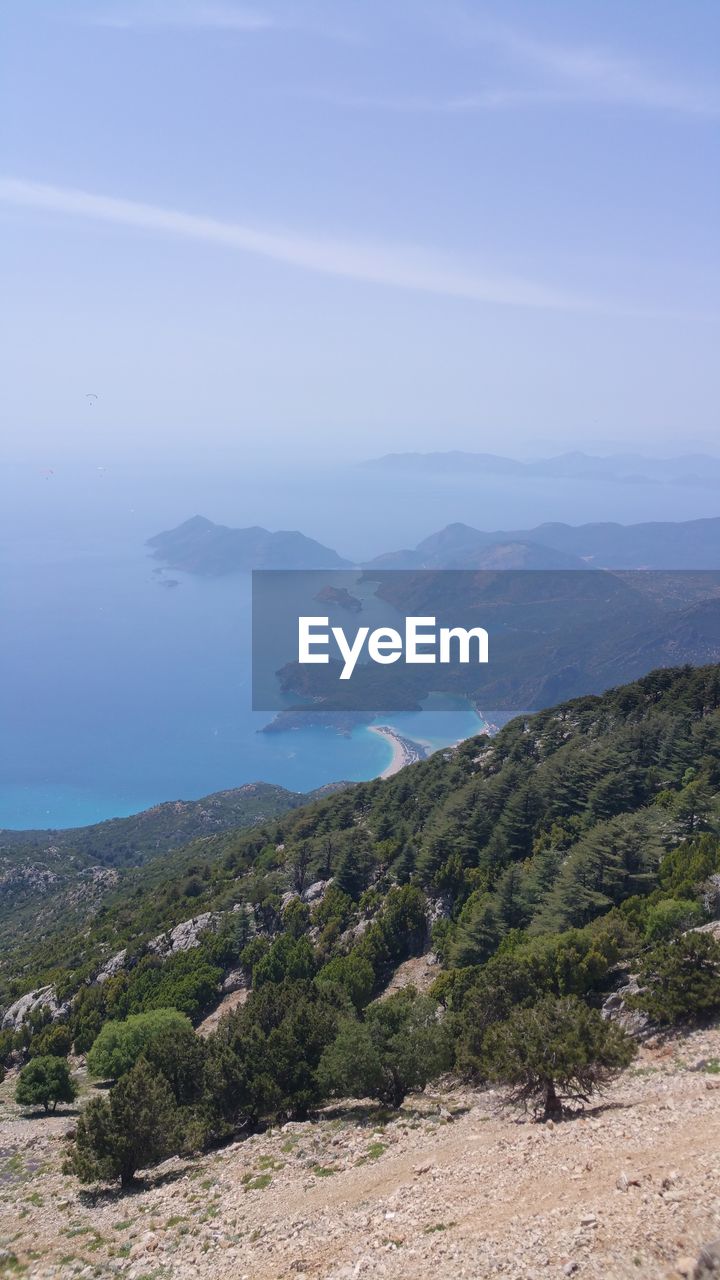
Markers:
point(404, 750)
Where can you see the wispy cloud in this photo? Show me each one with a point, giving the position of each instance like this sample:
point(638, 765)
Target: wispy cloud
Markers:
point(197, 16)
point(600, 75)
point(457, 104)
point(401, 267)
point(525, 72)
point(178, 15)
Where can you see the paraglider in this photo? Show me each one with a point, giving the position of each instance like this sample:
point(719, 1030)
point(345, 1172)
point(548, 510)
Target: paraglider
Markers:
point(91, 396)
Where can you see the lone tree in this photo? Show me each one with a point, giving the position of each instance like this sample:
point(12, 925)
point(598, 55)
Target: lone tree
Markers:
point(45, 1081)
point(400, 1046)
point(136, 1127)
point(556, 1049)
point(680, 980)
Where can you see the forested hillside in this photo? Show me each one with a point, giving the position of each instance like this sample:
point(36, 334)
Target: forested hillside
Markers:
point(52, 882)
point(530, 870)
point(605, 802)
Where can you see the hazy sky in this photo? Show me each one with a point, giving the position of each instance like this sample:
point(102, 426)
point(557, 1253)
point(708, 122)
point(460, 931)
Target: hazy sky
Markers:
point(358, 227)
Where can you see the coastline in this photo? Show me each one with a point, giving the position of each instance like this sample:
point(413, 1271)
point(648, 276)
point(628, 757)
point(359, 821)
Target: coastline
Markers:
point(404, 750)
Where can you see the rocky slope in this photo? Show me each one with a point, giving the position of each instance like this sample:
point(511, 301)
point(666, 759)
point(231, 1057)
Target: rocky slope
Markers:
point(450, 1185)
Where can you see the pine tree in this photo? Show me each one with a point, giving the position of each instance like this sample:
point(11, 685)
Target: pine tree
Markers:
point(136, 1127)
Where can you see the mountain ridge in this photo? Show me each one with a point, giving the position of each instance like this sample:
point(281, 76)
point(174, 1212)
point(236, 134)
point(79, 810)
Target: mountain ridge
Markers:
point(685, 469)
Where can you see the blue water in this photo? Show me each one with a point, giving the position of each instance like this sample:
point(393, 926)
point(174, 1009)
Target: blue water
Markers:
point(117, 693)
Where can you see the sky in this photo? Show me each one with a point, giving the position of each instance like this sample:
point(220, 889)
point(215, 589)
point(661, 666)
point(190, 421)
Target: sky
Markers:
point(307, 229)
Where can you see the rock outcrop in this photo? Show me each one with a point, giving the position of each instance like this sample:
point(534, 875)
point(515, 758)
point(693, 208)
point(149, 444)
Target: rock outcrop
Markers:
point(616, 1009)
point(44, 998)
point(185, 935)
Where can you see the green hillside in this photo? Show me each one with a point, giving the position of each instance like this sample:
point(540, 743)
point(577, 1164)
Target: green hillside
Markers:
point(54, 881)
point(599, 812)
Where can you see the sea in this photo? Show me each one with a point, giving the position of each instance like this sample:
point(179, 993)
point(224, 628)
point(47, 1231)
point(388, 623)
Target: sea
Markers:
point(118, 692)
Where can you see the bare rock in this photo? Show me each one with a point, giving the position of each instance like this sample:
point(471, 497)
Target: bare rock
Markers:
point(615, 1009)
point(112, 966)
point(185, 935)
point(316, 892)
point(713, 928)
point(235, 981)
point(32, 1002)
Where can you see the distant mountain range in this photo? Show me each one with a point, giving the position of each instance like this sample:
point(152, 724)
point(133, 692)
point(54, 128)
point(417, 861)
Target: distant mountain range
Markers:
point(690, 544)
point(627, 468)
point(210, 550)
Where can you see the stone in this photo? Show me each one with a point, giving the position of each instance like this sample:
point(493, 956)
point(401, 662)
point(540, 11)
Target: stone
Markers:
point(713, 928)
point(32, 1002)
point(316, 892)
point(112, 966)
point(235, 981)
point(184, 936)
point(708, 1261)
point(685, 1267)
point(615, 1009)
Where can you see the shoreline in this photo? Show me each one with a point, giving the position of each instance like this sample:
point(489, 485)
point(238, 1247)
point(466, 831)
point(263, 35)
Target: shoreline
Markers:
point(404, 750)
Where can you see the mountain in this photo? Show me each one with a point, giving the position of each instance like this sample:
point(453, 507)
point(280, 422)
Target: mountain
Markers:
point(689, 544)
point(551, 636)
point(687, 469)
point(198, 546)
point(143, 836)
point(548, 826)
point(51, 881)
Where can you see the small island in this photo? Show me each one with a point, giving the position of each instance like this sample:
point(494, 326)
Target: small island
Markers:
point(339, 596)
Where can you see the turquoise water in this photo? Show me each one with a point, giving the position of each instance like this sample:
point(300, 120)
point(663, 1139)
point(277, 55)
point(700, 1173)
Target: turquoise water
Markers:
point(117, 693)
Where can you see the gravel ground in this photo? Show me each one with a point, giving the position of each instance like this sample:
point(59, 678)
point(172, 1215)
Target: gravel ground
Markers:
point(450, 1186)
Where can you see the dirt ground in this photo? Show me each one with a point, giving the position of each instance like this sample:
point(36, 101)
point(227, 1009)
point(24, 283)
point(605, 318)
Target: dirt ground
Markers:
point(451, 1186)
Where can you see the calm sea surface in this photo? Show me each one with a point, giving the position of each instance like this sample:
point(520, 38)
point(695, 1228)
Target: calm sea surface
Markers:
point(117, 693)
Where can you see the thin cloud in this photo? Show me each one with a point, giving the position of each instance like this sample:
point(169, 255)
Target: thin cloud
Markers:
point(196, 17)
point(400, 267)
point(199, 17)
point(418, 104)
point(536, 73)
point(601, 75)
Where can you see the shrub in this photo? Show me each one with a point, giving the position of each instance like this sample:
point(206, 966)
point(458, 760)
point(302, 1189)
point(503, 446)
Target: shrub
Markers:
point(136, 1127)
point(571, 963)
point(288, 958)
point(671, 916)
point(120, 1044)
point(262, 1061)
point(400, 1046)
point(45, 1082)
point(681, 980)
point(351, 975)
point(558, 1048)
point(54, 1041)
point(185, 981)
